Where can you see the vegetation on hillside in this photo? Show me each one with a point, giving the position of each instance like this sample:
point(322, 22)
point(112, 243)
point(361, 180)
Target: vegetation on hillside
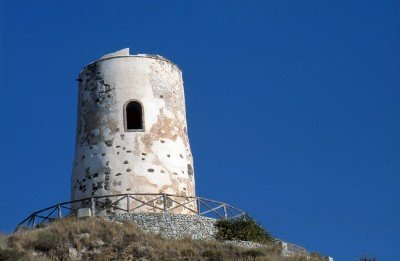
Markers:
point(241, 229)
point(99, 239)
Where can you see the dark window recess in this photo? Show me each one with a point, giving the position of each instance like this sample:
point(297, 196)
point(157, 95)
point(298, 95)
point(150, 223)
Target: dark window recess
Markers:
point(134, 116)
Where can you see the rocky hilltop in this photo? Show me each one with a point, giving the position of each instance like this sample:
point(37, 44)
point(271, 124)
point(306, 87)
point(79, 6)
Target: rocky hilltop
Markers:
point(101, 239)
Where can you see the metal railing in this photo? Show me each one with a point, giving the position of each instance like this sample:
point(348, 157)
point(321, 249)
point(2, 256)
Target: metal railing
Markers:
point(135, 203)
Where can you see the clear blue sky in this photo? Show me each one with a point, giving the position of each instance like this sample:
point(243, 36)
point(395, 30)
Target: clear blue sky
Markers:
point(293, 107)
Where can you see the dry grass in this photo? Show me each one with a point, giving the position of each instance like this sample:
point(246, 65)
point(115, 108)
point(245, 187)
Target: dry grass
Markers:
point(98, 239)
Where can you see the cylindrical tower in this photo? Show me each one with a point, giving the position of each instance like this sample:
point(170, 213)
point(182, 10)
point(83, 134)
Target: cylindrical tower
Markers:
point(131, 130)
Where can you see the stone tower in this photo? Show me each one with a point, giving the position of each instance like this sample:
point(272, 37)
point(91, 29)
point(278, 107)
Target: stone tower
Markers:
point(131, 130)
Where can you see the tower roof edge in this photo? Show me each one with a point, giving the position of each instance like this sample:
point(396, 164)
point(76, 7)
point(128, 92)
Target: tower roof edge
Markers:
point(124, 53)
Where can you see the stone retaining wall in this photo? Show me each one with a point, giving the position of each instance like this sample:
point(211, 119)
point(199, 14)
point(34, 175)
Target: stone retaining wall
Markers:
point(172, 225)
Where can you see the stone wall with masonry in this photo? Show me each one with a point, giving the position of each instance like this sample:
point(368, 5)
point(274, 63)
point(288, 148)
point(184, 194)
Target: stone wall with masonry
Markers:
point(172, 225)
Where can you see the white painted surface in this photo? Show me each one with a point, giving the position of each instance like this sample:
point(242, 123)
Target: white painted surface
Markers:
point(108, 159)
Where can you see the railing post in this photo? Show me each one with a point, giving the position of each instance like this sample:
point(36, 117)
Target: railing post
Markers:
point(198, 206)
point(225, 213)
point(34, 221)
point(164, 202)
point(59, 211)
point(92, 207)
point(128, 205)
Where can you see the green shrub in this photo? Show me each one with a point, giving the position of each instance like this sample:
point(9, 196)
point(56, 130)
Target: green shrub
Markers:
point(240, 229)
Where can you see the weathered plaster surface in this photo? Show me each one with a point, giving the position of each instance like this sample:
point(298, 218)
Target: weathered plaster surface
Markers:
point(109, 160)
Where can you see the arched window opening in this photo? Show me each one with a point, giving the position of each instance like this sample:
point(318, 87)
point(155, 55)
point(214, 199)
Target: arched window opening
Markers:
point(134, 116)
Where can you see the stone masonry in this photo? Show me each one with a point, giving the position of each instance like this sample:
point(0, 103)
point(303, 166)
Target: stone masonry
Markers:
point(172, 225)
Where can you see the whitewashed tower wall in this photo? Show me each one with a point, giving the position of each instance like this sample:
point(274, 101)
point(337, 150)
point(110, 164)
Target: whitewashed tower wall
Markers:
point(111, 159)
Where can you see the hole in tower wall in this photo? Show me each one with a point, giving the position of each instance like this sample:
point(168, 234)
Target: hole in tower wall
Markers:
point(190, 171)
point(134, 116)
